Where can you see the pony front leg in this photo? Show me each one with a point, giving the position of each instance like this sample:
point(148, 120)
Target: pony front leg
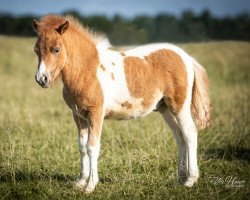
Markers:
point(93, 147)
point(82, 126)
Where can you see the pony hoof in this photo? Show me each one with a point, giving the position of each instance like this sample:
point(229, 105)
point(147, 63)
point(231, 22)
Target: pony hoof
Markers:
point(89, 190)
point(190, 181)
point(181, 180)
point(81, 183)
point(90, 187)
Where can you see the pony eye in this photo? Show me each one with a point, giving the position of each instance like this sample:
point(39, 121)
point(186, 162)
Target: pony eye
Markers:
point(56, 50)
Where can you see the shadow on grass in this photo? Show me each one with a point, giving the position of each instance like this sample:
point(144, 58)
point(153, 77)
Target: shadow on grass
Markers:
point(19, 176)
point(229, 153)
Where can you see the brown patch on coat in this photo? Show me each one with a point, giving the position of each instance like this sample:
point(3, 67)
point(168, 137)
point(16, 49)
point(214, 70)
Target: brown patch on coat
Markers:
point(103, 68)
point(113, 63)
point(162, 70)
point(127, 105)
point(112, 76)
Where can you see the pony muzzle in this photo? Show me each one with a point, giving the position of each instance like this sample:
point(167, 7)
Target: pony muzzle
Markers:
point(43, 80)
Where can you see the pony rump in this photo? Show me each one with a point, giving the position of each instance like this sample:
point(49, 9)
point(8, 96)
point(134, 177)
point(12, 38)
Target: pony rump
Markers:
point(200, 106)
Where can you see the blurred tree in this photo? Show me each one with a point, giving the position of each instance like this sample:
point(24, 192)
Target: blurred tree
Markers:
point(145, 29)
point(124, 32)
point(192, 27)
point(243, 26)
point(99, 23)
point(167, 28)
point(74, 14)
point(145, 24)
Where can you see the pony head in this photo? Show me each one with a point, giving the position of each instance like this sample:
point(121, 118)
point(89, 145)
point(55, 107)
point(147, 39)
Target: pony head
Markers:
point(50, 48)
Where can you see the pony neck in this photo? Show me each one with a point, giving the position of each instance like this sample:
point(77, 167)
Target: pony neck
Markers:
point(82, 60)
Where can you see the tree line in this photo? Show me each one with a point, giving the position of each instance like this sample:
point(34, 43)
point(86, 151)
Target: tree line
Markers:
point(188, 27)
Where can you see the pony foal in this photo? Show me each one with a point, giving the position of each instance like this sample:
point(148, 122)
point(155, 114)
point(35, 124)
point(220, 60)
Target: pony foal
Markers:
point(100, 83)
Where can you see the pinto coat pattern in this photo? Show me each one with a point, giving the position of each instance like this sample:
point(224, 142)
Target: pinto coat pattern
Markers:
point(100, 83)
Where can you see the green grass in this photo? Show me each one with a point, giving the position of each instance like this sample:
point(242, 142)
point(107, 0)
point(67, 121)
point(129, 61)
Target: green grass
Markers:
point(39, 156)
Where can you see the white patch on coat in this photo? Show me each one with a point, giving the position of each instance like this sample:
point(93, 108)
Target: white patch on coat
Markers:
point(102, 43)
point(145, 50)
point(117, 92)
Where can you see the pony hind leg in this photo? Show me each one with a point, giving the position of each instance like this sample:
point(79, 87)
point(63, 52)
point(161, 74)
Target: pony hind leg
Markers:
point(182, 156)
point(189, 131)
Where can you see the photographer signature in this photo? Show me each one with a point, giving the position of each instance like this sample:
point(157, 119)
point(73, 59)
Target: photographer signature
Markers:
point(229, 181)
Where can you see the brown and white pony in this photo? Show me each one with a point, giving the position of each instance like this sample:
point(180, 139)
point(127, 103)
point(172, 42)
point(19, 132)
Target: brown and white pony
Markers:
point(100, 83)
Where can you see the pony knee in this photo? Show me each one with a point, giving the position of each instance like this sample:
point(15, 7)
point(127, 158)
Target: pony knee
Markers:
point(189, 130)
point(83, 141)
point(93, 150)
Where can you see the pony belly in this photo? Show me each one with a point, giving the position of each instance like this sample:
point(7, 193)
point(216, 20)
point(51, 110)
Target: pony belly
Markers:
point(124, 114)
point(128, 110)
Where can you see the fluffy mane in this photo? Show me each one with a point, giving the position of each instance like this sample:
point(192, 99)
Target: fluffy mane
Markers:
point(51, 22)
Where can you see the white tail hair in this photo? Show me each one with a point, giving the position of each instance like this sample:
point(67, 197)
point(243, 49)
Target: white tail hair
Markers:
point(201, 105)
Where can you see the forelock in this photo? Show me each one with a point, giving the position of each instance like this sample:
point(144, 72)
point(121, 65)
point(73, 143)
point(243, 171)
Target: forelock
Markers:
point(50, 23)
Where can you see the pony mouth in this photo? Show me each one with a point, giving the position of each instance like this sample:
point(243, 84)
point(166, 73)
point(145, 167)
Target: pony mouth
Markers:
point(45, 86)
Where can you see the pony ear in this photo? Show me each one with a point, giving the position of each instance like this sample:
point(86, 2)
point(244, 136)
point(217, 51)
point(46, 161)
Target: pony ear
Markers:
point(35, 25)
point(62, 28)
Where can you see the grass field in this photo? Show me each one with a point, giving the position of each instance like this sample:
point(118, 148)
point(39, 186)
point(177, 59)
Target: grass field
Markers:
point(39, 156)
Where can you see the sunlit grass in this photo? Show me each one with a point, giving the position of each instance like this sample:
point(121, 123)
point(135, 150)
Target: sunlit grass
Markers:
point(38, 146)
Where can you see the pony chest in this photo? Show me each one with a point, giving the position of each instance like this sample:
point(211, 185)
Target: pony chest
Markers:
point(80, 102)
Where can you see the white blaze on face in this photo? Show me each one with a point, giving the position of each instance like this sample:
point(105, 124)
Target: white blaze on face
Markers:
point(42, 75)
point(41, 70)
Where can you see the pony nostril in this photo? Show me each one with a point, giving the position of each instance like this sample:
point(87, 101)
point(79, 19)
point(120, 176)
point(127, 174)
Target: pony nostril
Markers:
point(44, 79)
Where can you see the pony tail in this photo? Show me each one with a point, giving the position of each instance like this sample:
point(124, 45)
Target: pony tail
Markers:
point(200, 106)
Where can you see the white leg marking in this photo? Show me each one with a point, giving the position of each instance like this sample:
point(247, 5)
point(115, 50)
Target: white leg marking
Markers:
point(182, 158)
point(186, 123)
point(84, 171)
point(189, 131)
point(93, 152)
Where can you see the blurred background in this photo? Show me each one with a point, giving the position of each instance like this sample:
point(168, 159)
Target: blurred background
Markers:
point(140, 21)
